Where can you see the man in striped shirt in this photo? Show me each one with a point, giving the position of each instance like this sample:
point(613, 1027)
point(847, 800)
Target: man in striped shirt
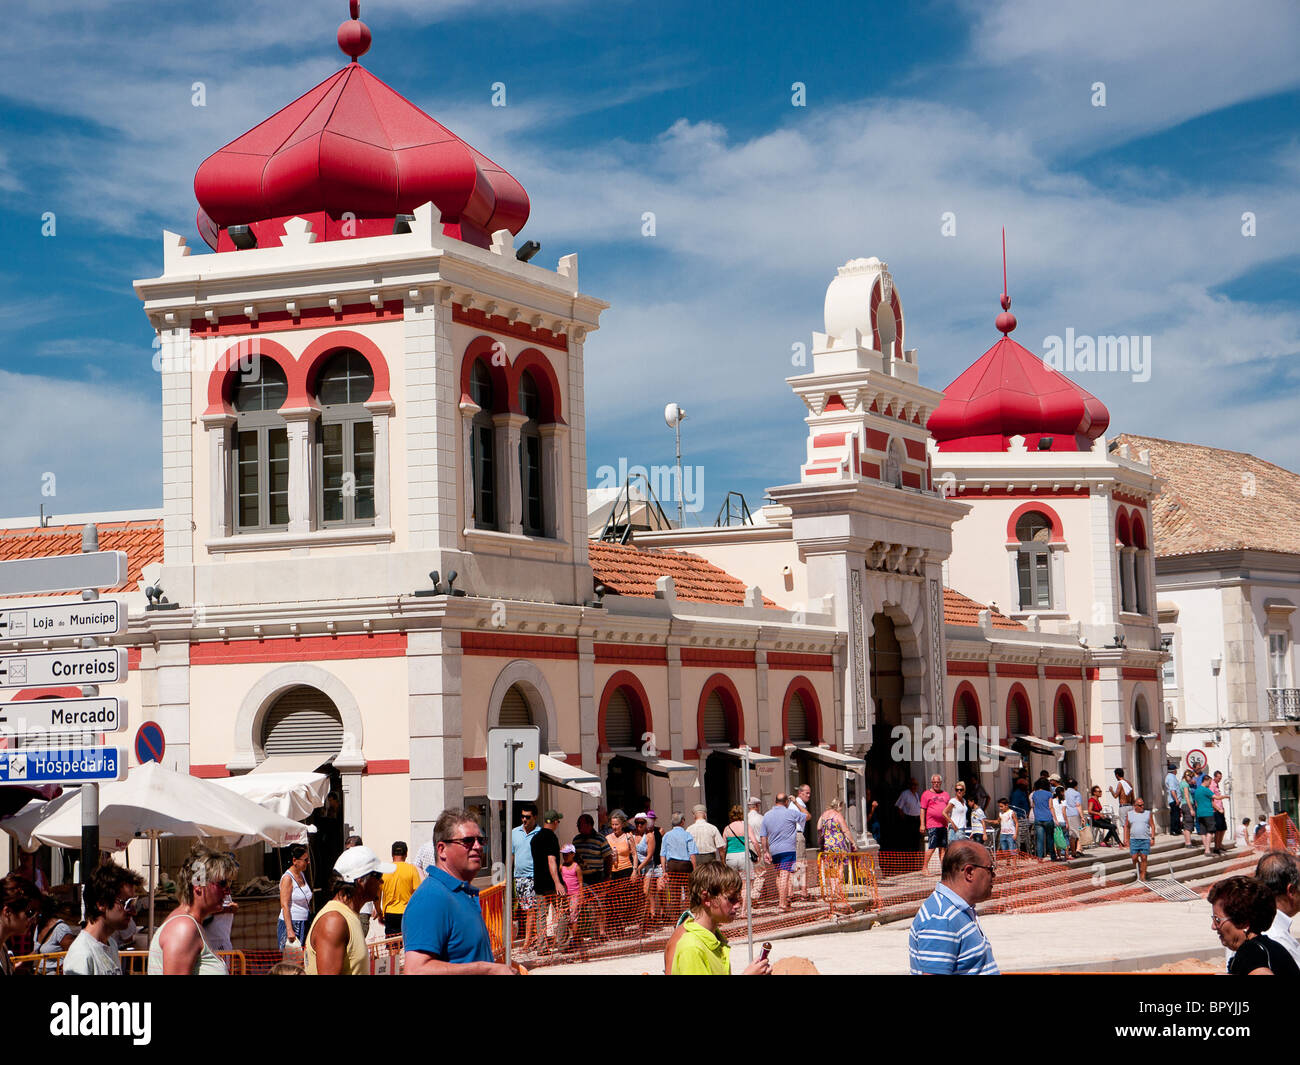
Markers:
point(946, 938)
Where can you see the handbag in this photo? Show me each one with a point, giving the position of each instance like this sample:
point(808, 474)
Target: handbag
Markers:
point(1062, 842)
point(753, 854)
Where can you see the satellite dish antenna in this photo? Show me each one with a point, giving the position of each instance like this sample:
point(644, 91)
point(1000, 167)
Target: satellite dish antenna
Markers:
point(673, 418)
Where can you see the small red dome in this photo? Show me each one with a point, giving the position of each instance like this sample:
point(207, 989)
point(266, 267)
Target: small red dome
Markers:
point(353, 145)
point(1010, 392)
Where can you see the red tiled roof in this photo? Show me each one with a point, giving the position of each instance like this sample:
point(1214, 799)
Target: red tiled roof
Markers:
point(1215, 500)
point(961, 609)
point(141, 540)
point(634, 570)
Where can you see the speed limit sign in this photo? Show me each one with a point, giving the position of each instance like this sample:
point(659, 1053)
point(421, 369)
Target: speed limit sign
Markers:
point(1196, 759)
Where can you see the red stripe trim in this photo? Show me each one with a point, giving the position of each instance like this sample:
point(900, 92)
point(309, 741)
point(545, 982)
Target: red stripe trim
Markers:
point(209, 772)
point(968, 669)
point(625, 653)
point(382, 766)
point(777, 752)
point(1094, 739)
point(281, 321)
point(519, 330)
point(997, 492)
point(1061, 673)
point(475, 765)
point(810, 470)
point(132, 658)
point(915, 449)
point(1134, 501)
point(513, 644)
point(716, 659)
point(876, 440)
point(305, 649)
point(1093, 672)
point(1010, 669)
point(1132, 673)
point(828, 439)
point(812, 663)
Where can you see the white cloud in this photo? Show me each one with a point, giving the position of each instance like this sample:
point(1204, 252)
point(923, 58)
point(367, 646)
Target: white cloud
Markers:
point(98, 446)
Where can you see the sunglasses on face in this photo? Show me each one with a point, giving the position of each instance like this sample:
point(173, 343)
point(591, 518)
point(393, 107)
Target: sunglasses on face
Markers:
point(469, 842)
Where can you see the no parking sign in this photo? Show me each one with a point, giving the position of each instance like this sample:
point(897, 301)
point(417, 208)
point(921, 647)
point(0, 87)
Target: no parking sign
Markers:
point(149, 743)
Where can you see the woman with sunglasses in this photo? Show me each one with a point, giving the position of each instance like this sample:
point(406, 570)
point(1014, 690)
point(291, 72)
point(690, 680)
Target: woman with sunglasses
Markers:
point(110, 897)
point(178, 947)
point(20, 903)
point(295, 899)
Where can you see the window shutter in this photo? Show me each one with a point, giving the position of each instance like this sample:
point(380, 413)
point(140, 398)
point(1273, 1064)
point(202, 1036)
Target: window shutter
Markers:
point(618, 722)
point(798, 720)
point(303, 721)
point(715, 723)
point(514, 710)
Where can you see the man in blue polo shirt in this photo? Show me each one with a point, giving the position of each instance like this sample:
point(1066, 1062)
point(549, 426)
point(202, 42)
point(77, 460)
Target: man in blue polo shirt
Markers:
point(780, 826)
point(946, 938)
point(443, 931)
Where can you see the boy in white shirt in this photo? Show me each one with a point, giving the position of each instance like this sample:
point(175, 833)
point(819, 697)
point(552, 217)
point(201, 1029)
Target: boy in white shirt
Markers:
point(110, 901)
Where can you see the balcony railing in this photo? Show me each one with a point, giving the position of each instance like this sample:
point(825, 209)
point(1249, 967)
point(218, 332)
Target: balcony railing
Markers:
point(1284, 704)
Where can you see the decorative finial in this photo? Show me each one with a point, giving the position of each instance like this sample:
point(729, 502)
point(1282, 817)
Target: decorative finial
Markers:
point(354, 35)
point(1006, 321)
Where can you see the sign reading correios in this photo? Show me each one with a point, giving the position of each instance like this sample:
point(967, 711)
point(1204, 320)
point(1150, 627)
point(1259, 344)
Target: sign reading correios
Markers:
point(98, 665)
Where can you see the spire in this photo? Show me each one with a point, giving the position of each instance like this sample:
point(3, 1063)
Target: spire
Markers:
point(354, 35)
point(1006, 321)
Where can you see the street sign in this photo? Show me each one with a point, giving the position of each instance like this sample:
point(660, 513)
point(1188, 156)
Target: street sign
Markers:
point(527, 769)
point(75, 765)
point(99, 617)
point(40, 669)
point(1196, 759)
point(149, 743)
point(63, 573)
point(55, 715)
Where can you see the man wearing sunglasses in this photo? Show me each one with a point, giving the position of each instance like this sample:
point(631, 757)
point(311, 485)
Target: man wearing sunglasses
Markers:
point(110, 896)
point(946, 937)
point(443, 931)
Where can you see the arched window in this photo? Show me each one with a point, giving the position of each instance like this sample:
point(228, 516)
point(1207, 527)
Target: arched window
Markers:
point(1020, 721)
point(302, 721)
point(530, 455)
point(1033, 561)
point(483, 448)
point(345, 441)
point(624, 720)
point(797, 721)
point(713, 729)
point(261, 451)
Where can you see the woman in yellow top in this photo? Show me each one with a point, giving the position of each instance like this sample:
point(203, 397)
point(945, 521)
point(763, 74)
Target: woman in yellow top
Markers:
point(336, 945)
point(699, 948)
point(179, 947)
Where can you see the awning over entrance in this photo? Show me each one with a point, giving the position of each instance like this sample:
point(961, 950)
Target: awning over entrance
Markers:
point(755, 758)
point(989, 751)
point(1043, 746)
point(1069, 740)
point(1143, 737)
point(660, 767)
point(293, 763)
point(568, 776)
point(845, 763)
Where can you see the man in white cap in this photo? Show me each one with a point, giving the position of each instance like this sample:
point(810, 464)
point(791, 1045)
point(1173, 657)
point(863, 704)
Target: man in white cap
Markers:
point(336, 944)
point(708, 840)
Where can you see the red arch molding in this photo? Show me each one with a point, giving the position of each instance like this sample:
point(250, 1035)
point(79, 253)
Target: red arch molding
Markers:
point(1019, 689)
point(1072, 717)
point(1058, 530)
point(320, 349)
point(548, 385)
point(967, 688)
point(1123, 532)
point(812, 706)
point(1139, 532)
point(502, 392)
point(222, 379)
point(623, 679)
point(731, 706)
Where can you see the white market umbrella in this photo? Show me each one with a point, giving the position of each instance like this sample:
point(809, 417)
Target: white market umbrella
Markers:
point(153, 802)
point(291, 795)
point(22, 824)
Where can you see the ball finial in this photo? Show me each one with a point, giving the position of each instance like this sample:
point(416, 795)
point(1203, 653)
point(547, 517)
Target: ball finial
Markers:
point(354, 35)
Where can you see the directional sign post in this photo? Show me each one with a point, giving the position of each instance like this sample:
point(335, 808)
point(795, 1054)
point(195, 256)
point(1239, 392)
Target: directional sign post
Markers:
point(513, 772)
point(42, 716)
point(105, 617)
point(63, 573)
point(65, 765)
point(44, 669)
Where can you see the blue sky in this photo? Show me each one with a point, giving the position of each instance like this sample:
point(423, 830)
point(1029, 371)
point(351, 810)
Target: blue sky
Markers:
point(1123, 219)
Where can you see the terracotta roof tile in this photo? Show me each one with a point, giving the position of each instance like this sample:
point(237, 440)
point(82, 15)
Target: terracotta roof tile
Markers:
point(1215, 500)
point(634, 570)
point(960, 609)
point(141, 540)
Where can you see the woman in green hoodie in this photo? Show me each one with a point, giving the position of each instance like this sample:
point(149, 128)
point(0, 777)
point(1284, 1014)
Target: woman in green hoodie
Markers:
point(699, 948)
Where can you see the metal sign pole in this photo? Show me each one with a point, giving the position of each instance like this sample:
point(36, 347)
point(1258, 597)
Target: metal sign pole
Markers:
point(511, 786)
point(90, 792)
point(749, 868)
